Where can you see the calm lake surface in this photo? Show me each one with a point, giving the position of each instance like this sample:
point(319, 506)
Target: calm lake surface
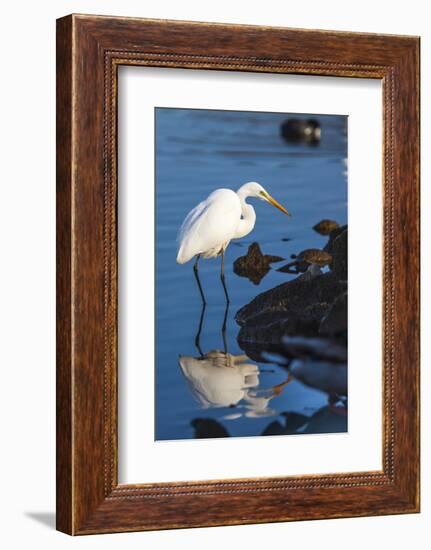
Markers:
point(198, 151)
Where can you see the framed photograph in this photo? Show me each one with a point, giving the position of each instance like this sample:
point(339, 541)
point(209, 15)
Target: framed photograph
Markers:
point(237, 274)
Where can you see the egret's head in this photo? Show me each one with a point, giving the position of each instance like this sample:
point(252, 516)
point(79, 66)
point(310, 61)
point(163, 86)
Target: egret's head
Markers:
point(254, 189)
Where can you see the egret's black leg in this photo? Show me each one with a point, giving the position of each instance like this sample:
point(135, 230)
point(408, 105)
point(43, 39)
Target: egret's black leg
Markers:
point(198, 334)
point(222, 278)
point(204, 303)
point(223, 330)
point(195, 269)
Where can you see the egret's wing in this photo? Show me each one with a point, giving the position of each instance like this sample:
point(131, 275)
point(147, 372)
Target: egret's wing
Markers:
point(191, 218)
point(210, 224)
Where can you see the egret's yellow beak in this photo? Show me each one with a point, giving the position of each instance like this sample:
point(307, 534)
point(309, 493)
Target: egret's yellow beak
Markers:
point(271, 200)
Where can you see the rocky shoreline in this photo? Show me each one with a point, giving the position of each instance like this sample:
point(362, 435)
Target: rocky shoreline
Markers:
point(314, 304)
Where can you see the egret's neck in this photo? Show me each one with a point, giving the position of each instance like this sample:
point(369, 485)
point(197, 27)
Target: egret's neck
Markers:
point(248, 220)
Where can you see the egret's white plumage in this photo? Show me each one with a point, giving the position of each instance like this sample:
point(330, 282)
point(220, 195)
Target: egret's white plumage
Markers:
point(209, 226)
point(224, 215)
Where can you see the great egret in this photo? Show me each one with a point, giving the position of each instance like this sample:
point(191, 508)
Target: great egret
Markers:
point(224, 215)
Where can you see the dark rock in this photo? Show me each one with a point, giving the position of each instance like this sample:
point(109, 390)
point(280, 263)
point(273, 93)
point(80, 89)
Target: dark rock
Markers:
point(335, 321)
point(339, 254)
point(306, 258)
point(315, 311)
point(269, 332)
point(325, 227)
point(293, 297)
point(315, 256)
point(332, 236)
point(293, 308)
point(254, 265)
point(313, 304)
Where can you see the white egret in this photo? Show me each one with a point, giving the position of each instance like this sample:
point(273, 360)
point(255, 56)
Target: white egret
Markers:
point(224, 215)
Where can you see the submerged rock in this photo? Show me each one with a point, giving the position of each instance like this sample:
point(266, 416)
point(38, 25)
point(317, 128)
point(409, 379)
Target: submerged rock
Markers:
point(325, 227)
point(254, 265)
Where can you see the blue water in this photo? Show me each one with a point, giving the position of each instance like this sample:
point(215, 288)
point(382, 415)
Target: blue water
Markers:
point(198, 151)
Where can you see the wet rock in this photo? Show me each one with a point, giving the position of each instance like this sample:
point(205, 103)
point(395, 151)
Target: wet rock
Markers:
point(337, 247)
point(295, 130)
point(325, 227)
point(294, 268)
point(311, 256)
point(254, 265)
point(332, 236)
point(293, 308)
point(315, 256)
point(266, 331)
point(334, 322)
point(313, 304)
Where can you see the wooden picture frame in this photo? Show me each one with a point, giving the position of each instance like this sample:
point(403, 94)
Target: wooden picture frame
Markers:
point(89, 51)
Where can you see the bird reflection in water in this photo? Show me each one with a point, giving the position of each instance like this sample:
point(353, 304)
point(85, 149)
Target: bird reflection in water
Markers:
point(220, 379)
